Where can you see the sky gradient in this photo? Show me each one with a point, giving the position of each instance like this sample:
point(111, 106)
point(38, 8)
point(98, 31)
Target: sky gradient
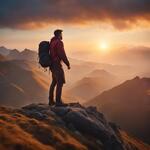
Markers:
point(86, 23)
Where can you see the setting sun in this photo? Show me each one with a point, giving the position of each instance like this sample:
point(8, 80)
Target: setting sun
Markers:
point(104, 47)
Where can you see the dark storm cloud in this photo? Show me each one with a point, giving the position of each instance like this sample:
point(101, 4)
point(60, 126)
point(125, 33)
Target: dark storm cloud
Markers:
point(37, 13)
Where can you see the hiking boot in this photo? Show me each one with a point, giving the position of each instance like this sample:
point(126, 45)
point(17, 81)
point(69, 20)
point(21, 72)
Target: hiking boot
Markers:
point(51, 103)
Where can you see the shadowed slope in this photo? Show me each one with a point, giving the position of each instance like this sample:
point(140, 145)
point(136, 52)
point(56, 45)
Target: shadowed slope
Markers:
point(2, 58)
point(129, 105)
point(20, 86)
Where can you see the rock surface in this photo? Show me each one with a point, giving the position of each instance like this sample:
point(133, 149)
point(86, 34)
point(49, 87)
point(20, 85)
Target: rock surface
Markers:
point(41, 127)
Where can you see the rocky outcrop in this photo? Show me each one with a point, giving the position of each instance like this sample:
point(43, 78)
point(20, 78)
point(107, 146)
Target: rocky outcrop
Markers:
point(89, 121)
point(67, 128)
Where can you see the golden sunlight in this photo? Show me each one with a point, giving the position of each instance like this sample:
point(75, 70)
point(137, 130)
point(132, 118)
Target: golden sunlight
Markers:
point(104, 47)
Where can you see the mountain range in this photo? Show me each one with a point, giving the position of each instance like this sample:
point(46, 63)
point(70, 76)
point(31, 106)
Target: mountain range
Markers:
point(113, 89)
point(93, 83)
point(13, 54)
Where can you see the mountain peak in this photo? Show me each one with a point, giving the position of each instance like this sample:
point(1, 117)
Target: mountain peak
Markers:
point(4, 51)
point(72, 127)
point(3, 47)
point(136, 78)
point(100, 71)
point(14, 51)
point(27, 50)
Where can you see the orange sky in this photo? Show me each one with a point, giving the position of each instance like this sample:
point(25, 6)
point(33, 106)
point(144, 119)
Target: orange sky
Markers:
point(77, 38)
point(87, 24)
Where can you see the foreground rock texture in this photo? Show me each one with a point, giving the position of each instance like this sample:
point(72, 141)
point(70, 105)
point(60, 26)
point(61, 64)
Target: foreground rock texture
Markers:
point(41, 127)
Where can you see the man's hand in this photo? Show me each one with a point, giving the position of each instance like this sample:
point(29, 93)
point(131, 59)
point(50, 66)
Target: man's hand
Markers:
point(69, 67)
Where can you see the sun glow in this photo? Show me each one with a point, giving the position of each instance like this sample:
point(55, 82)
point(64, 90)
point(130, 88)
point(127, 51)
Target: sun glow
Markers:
point(104, 47)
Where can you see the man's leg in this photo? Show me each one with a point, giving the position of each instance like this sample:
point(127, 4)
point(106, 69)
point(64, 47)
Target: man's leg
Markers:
point(51, 91)
point(59, 101)
point(58, 93)
point(60, 77)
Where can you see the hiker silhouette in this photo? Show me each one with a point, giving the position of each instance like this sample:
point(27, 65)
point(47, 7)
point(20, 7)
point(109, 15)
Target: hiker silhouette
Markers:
point(58, 55)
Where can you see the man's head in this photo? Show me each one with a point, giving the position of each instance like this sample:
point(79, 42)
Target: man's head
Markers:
point(58, 33)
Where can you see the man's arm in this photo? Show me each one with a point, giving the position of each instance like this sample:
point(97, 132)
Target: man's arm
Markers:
point(62, 54)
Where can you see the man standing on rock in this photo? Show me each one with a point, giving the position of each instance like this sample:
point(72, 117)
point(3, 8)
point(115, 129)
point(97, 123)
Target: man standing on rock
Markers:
point(58, 55)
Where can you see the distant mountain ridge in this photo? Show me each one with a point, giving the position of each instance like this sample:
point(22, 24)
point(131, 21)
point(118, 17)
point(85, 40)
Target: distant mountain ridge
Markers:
point(93, 83)
point(26, 54)
point(131, 100)
point(101, 73)
point(135, 56)
point(4, 51)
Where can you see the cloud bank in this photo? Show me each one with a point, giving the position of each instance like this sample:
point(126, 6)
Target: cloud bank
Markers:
point(37, 13)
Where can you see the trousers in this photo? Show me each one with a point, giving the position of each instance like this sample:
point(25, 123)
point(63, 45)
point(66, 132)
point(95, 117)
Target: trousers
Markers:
point(58, 79)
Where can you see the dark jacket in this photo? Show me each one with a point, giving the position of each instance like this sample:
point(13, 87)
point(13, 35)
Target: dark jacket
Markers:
point(57, 52)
